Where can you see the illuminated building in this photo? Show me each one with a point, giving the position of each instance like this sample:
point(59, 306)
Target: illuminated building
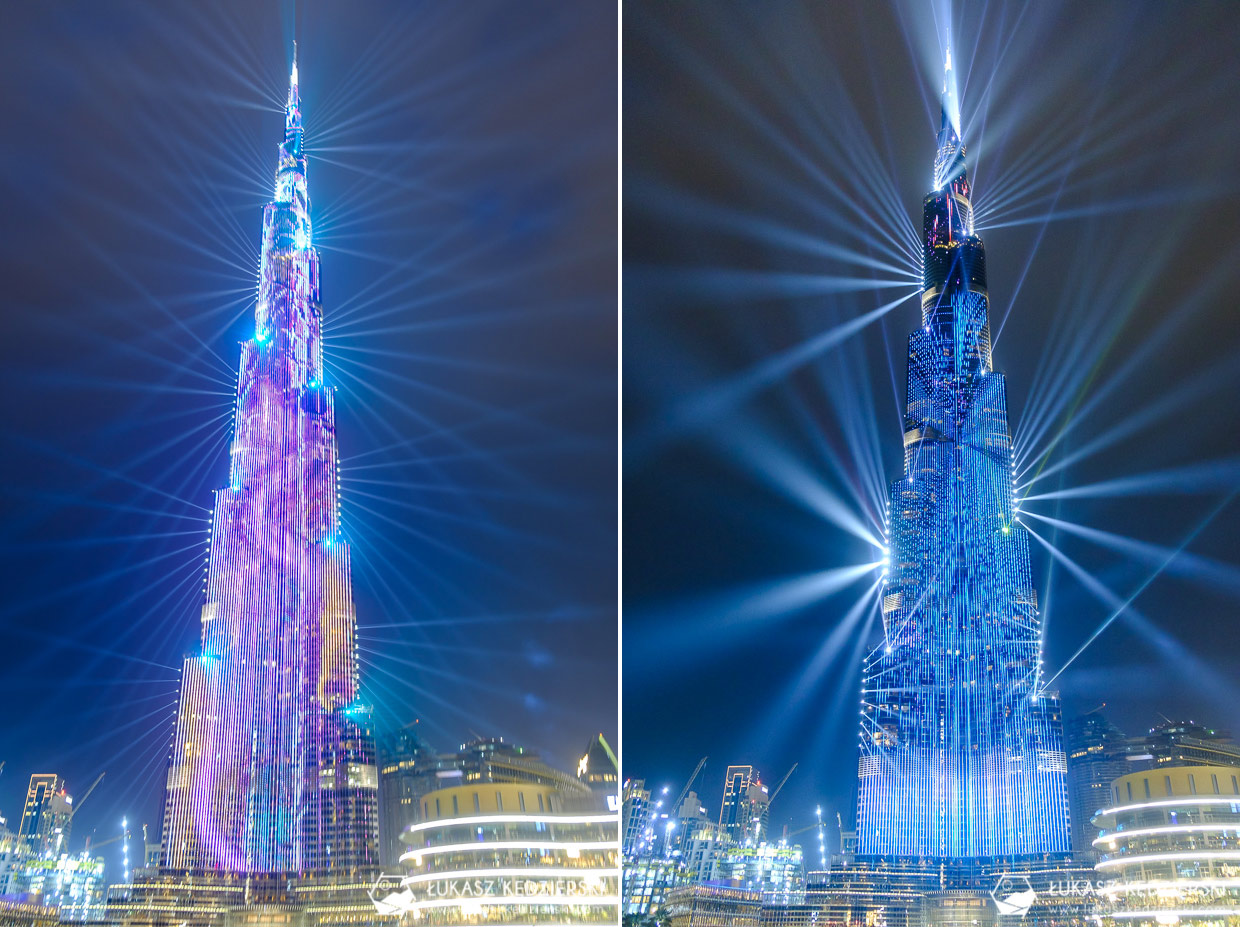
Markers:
point(741, 803)
point(689, 821)
point(598, 768)
point(1097, 754)
point(702, 849)
point(273, 766)
point(635, 809)
point(870, 894)
point(493, 760)
point(15, 913)
point(216, 898)
point(957, 909)
point(648, 880)
point(508, 853)
point(1183, 743)
point(901, 893)
point(46, 815)
point(1170, 846)
point(73, 885)
point(776, 873)
point(411, 771)
point(712, 906)
point(961, 752)
point(404, 762)
point(14, 851)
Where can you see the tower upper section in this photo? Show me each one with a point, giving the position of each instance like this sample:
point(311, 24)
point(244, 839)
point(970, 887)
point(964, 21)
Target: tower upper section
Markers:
point(954, 299)
point(288, 313)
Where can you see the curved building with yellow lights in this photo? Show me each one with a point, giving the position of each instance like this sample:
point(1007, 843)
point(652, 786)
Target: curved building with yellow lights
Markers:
point(1169, 848)
point(492, 854)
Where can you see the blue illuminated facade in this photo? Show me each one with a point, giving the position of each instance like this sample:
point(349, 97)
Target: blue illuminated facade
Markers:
point(961, 753)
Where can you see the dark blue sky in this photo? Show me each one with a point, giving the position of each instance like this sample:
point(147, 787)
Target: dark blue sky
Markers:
point(462, 164)
point(775, 160)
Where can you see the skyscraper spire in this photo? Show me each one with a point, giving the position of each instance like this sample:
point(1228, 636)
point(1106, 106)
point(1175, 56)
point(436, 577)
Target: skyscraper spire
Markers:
point(949, 161)
point(292, 111)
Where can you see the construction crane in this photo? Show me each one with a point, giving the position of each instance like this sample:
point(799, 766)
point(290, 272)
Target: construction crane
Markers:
point(123, 835)
point(685, 790)
point(781, 783)
point(81, 801)
point(817, 825)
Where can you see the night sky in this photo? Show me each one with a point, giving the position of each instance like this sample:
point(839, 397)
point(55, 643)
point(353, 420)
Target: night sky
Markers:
point(776, 156)
point(462, 168)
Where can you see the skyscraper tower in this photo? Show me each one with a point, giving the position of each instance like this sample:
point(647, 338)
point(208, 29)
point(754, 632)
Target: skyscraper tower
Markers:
point(961, 753)
point(1097, 755)
point(273, 766)
point(736, 783)
point(46, 815)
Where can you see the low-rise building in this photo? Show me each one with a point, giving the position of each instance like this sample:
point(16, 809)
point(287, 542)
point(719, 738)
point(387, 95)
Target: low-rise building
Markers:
point(1169, 846)
point(510, 853)
point(713, 906)
point(776, 873)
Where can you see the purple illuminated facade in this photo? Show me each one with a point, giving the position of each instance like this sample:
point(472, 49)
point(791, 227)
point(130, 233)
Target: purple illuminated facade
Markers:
point(273, 766)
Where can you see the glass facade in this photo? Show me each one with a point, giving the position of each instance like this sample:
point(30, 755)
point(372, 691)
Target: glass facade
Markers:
point(1097, 755)
point(961, 752)
point(736, 814)
point(776, 873)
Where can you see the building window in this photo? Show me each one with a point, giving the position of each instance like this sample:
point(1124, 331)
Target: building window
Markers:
point(1147, 788)
point(540, 801)
point(499, 802)
point(437, 811)
point(521, 800)
point(477, 806)
point(1214, 782)
point(1235, 787)
point(1168, 783)
point(426, 810)
point(455, 809)
point(1129, 784)
point(1192, 784)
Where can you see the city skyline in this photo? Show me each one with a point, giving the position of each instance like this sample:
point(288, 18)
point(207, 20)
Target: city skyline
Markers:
point(480, 487)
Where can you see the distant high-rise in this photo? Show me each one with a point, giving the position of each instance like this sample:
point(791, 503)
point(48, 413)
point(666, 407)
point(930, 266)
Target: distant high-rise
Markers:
point(47, 815)
point(1183, 743)
point(961, 752)
point(1097, 754)
point(406, 773)
point(690, 818)
point(754, 815)
point(732, 812)
point(635, 810)
point(273, 767)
